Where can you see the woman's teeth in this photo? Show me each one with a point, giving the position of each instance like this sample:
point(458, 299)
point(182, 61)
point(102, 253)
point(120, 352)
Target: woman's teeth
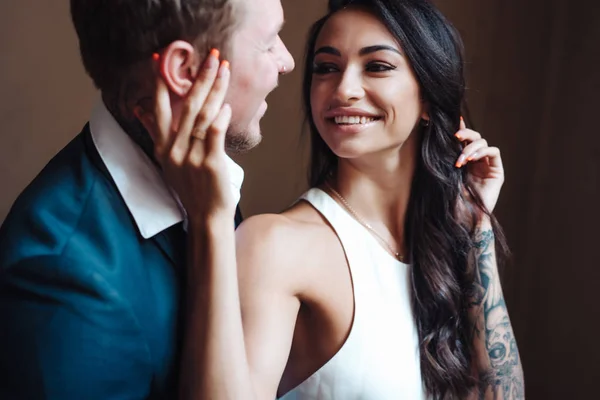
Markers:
point(345, 120)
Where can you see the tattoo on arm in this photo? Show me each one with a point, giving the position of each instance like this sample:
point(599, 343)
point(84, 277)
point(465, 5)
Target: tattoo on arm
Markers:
point(504, 379)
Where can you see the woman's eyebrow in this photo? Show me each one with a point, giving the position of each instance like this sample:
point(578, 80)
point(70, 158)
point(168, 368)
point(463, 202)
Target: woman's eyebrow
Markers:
point(364, 51)
point(328, 50)
point(379, 47)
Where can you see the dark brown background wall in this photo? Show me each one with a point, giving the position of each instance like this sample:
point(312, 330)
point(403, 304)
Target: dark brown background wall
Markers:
point(533, 84)
point(534, 87)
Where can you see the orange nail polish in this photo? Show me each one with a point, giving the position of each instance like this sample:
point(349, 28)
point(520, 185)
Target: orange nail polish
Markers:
point(215, 53)
point(155, 56)
point(224, 69)
point(458, 136)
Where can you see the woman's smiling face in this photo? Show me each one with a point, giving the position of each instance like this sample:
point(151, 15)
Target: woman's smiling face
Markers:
point(364, 95)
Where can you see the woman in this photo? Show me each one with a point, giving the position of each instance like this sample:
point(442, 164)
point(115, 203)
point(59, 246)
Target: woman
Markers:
point(381, 282)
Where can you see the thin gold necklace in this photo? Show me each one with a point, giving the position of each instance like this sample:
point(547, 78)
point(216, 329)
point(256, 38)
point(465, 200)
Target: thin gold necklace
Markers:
point(361, 221)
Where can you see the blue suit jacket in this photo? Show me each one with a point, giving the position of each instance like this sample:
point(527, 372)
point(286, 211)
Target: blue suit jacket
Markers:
point(88, 308)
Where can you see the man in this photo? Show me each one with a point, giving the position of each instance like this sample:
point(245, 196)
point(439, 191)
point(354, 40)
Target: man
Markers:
point(92, 253)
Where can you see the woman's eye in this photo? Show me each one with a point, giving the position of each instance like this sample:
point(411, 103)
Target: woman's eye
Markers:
point(324, 68)
point(379, 67)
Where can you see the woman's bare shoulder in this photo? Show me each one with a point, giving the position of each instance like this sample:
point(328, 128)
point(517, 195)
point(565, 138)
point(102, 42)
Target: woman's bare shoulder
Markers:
point(289, 226)
point(283, 245)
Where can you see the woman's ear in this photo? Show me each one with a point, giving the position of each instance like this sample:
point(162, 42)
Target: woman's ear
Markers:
point(424, 111)
point(178, 64)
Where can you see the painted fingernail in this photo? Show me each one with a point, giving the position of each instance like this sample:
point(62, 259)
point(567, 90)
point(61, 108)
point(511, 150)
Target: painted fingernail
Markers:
point(213, 59)
point(224, 70)
point(458, 136)
point(462, 119)
point(461, 161)
point(155, 56)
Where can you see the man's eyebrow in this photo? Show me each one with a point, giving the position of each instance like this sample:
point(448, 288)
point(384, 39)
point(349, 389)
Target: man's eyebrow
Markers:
point(379, 47)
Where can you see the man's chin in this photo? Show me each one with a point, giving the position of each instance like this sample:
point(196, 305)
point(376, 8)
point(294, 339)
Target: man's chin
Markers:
point(240, 142)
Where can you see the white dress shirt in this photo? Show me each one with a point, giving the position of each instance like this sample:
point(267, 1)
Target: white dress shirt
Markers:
point(152, 203)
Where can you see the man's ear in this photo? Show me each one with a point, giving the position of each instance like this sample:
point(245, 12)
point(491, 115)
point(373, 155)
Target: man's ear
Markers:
point(178, 65)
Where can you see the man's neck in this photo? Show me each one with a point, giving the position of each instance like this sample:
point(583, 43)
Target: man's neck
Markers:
point(132, 127)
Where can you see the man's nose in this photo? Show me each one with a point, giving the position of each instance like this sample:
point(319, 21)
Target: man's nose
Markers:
point(287, 63)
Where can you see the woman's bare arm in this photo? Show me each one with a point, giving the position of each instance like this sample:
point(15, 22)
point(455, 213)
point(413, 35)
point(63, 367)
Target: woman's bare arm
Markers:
point(497, 356)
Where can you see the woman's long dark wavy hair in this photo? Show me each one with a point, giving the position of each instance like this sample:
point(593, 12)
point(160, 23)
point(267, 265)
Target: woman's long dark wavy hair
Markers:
point(440, 224)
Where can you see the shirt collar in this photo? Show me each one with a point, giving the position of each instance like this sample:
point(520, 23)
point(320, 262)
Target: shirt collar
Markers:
point(152, 203)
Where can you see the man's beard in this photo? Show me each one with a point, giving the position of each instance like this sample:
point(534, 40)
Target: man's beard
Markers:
point(238, 141)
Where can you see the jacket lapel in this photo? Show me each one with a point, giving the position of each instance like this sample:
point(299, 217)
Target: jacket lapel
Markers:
point(172, 242)
point(238, 217)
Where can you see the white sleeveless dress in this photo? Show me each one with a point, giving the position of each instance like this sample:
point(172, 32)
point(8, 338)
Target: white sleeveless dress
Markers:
point(380, 358)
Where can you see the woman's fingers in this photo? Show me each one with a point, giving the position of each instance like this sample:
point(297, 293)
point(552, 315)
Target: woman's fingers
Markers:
point(193, 105)
point(214, 102)
point(490, 154)
point(215, 137)
point(162, 130)
point(212, 147)
point(212, 121)
point(467, 135)
point(474, 145)
point(469, 150)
